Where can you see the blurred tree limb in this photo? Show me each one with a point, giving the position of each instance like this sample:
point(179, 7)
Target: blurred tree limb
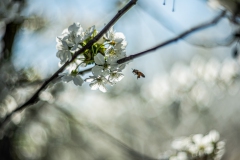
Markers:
point(131, 152)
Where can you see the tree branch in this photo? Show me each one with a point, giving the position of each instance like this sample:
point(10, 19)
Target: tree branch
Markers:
point(182, 35)
point(34, 98)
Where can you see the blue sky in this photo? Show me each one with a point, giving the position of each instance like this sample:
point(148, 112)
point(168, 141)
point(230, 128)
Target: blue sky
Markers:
point(145, 25)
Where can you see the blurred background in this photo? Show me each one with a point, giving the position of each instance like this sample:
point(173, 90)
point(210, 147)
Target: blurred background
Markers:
point(191, 86)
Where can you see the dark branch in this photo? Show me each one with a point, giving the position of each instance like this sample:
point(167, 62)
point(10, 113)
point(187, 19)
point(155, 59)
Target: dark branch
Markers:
point(184, 34)
point(34, 98)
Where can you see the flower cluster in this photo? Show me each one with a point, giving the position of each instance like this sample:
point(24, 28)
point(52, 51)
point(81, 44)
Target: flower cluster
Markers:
point(198, 147)
point(104, 54)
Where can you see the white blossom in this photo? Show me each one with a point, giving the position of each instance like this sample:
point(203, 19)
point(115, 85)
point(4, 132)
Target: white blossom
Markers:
point(116, 42)
point(199, 146)
point(179, 156)
point(105, 65)
point(63, 51)
point(77, 80)
point(115, 38)
point(104, 54)
point(115, 76)
point(181, 143)
point(88, 32)
point(213, 136)
point(97, 82)
point(69, 42)
point(73, 35)
point(71, 74)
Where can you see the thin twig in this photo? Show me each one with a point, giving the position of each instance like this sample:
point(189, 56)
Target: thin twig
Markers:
point(34, 98)
point(182, 35)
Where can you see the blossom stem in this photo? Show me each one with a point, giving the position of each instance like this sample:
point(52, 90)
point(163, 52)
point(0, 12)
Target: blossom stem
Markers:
point(182, 35)
point(86, 70)
point(34, 99)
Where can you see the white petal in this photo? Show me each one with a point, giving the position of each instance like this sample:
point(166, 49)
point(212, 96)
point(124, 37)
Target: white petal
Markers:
point(94, 86)
point(75, 48)
point(104, 80)
point(80, 31)
point(71, 67)
point(111, 78)
point(220, 145)
point(74, 27)
point(119, 77)
point(64, 45)
point(59, 46)
point(116, 77)
point(89, 32)
point(99, 59)
point(62, 56)
point(97, 70)
point(65, 31)
point(197, 138)
point(102, 88)
point(124, 44)
point(105, 72)
point(66, 78)
point(118, 47)
point(112, 60)
point(214, 136)
point(209, 148)
point(109, 33)
point(59, 53)
point(70, 43)
point(78, 81)
point(111, 30)
point(119, 37)
point(69, 55)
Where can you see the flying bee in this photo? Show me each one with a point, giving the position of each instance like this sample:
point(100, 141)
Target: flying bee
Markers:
point(138, 73)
